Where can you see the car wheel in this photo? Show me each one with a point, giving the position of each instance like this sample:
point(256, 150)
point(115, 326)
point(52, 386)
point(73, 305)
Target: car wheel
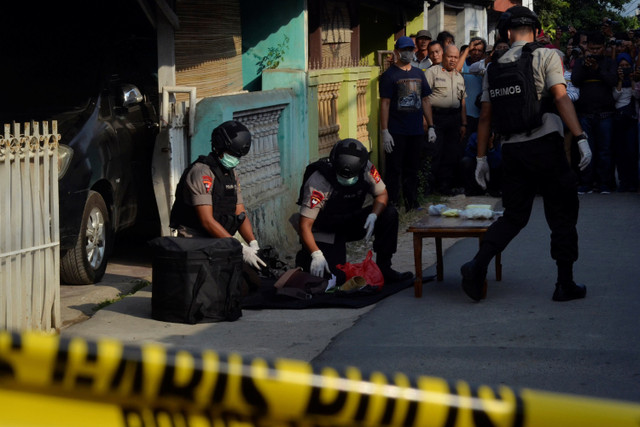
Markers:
point(86, 262)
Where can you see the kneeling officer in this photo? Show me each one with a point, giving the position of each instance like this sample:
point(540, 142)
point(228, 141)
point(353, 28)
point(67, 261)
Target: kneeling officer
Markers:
point(208, 197)
point(332, 213)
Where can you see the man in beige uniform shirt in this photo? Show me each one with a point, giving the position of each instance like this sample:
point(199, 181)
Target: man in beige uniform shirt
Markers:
point(333, 211)
point(449, 118)
point(533, 157)
point(208, 197)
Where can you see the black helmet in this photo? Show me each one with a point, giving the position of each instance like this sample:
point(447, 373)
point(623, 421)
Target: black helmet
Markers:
point(349, 157)
point(231, 136)
point(517, 16)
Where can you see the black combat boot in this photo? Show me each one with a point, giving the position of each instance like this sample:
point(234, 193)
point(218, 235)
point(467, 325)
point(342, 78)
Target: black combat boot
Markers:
point(390, 275)
point(569, 291)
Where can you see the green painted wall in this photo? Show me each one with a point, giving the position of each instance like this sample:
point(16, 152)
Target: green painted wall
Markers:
point(273, 37)
point(416, 24)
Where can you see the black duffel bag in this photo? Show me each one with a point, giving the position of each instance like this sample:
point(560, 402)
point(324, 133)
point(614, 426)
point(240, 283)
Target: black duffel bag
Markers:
point(196, 280)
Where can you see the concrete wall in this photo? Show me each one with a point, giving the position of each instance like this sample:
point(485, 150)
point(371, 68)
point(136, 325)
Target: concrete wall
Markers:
point(436, 19)
point(472, 19)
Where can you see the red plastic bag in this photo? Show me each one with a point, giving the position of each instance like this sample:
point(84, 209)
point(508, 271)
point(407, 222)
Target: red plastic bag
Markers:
point(367, 269)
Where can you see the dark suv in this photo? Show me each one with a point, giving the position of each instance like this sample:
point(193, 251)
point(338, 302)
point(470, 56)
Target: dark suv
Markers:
point(105, 182)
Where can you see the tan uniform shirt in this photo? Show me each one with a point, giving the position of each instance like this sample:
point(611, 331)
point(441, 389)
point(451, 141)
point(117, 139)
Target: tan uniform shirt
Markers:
point(199, 184)
point(317, 190)
point(547, 72)
point(197, 191)
point(447, 87)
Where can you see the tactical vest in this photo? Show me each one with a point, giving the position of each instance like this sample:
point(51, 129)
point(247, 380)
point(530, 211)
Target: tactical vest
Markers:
point(224, 197)
point(344, 199)
point(515, 107)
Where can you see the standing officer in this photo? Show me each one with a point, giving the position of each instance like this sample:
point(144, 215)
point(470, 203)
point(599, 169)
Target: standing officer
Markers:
point(533, 157)
point(208, 197)
point(449, 118)
point(332, 212)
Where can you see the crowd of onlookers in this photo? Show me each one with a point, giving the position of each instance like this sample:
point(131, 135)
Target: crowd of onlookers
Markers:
point(602, 70)
point(602, 81)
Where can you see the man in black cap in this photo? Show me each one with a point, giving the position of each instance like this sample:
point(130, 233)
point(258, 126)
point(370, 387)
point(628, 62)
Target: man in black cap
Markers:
point(332, 212)
point(519, 91)
point(208, 197)
point(421, 56)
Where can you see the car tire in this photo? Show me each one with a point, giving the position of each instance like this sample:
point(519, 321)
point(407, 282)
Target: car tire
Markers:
point(86, 262)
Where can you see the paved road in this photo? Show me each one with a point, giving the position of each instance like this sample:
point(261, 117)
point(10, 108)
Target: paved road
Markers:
point(517, 336)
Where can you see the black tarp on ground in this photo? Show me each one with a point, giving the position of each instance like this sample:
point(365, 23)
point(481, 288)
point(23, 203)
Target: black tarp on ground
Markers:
point(266, 297)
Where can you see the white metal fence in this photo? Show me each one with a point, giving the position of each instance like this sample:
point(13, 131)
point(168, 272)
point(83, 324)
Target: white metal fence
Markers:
point(29, 227)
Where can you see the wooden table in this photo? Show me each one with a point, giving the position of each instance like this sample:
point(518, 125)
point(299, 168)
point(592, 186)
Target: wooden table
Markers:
point(439, 227)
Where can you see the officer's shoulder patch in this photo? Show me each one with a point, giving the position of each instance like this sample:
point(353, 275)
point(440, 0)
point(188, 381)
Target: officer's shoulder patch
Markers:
point(316, 197)
point(374, 174)
point(207, 181)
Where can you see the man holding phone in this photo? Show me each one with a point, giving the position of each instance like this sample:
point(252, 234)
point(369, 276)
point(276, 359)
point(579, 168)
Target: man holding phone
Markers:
point(596, 75)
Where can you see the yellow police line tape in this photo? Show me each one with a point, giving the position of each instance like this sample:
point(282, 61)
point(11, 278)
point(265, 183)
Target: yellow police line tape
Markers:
point(46, 380)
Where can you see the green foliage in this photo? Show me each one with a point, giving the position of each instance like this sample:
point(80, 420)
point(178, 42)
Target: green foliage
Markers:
point(582, 14)
point(274, 56)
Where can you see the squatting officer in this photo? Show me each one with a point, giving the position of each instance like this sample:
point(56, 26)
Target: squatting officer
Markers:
point(208, 197)
point(332, 212)
point(533, 157)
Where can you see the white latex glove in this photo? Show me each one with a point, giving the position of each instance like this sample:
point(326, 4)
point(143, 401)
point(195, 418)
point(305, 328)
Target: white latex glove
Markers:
point(369, 225)
point(585, 151)
point(319, 265)
point(387, 141)
point(254, 244)
point(482, 172)
point(431, 134)
point(250, 256)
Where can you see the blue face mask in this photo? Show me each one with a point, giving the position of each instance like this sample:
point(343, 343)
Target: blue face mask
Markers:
point(229, 161)
point(347, 181)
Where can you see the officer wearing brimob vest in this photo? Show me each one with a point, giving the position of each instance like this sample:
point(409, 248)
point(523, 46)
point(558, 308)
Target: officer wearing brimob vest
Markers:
point(208, 197)
point(524, 99)
point(332, 212)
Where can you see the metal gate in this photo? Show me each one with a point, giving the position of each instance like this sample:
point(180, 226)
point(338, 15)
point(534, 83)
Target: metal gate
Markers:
point(29, 234)
point(171, 152)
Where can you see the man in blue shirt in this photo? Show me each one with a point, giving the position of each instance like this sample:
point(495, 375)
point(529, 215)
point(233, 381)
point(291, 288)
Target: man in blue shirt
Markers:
point(472, 82)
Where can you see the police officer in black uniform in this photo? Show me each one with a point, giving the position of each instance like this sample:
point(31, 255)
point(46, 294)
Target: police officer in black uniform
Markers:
point(208, 197)
point(528, 112)
point(332, 212)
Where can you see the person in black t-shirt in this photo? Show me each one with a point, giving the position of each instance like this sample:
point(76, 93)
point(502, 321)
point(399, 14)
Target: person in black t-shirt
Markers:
point(404, 102)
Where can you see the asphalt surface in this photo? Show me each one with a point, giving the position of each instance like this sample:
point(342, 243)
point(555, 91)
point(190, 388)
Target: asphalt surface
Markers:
point(518, 336)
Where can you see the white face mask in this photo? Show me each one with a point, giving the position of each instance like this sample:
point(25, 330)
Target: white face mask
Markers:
point(347, 181)
point(229, 161)
point(406, 56)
